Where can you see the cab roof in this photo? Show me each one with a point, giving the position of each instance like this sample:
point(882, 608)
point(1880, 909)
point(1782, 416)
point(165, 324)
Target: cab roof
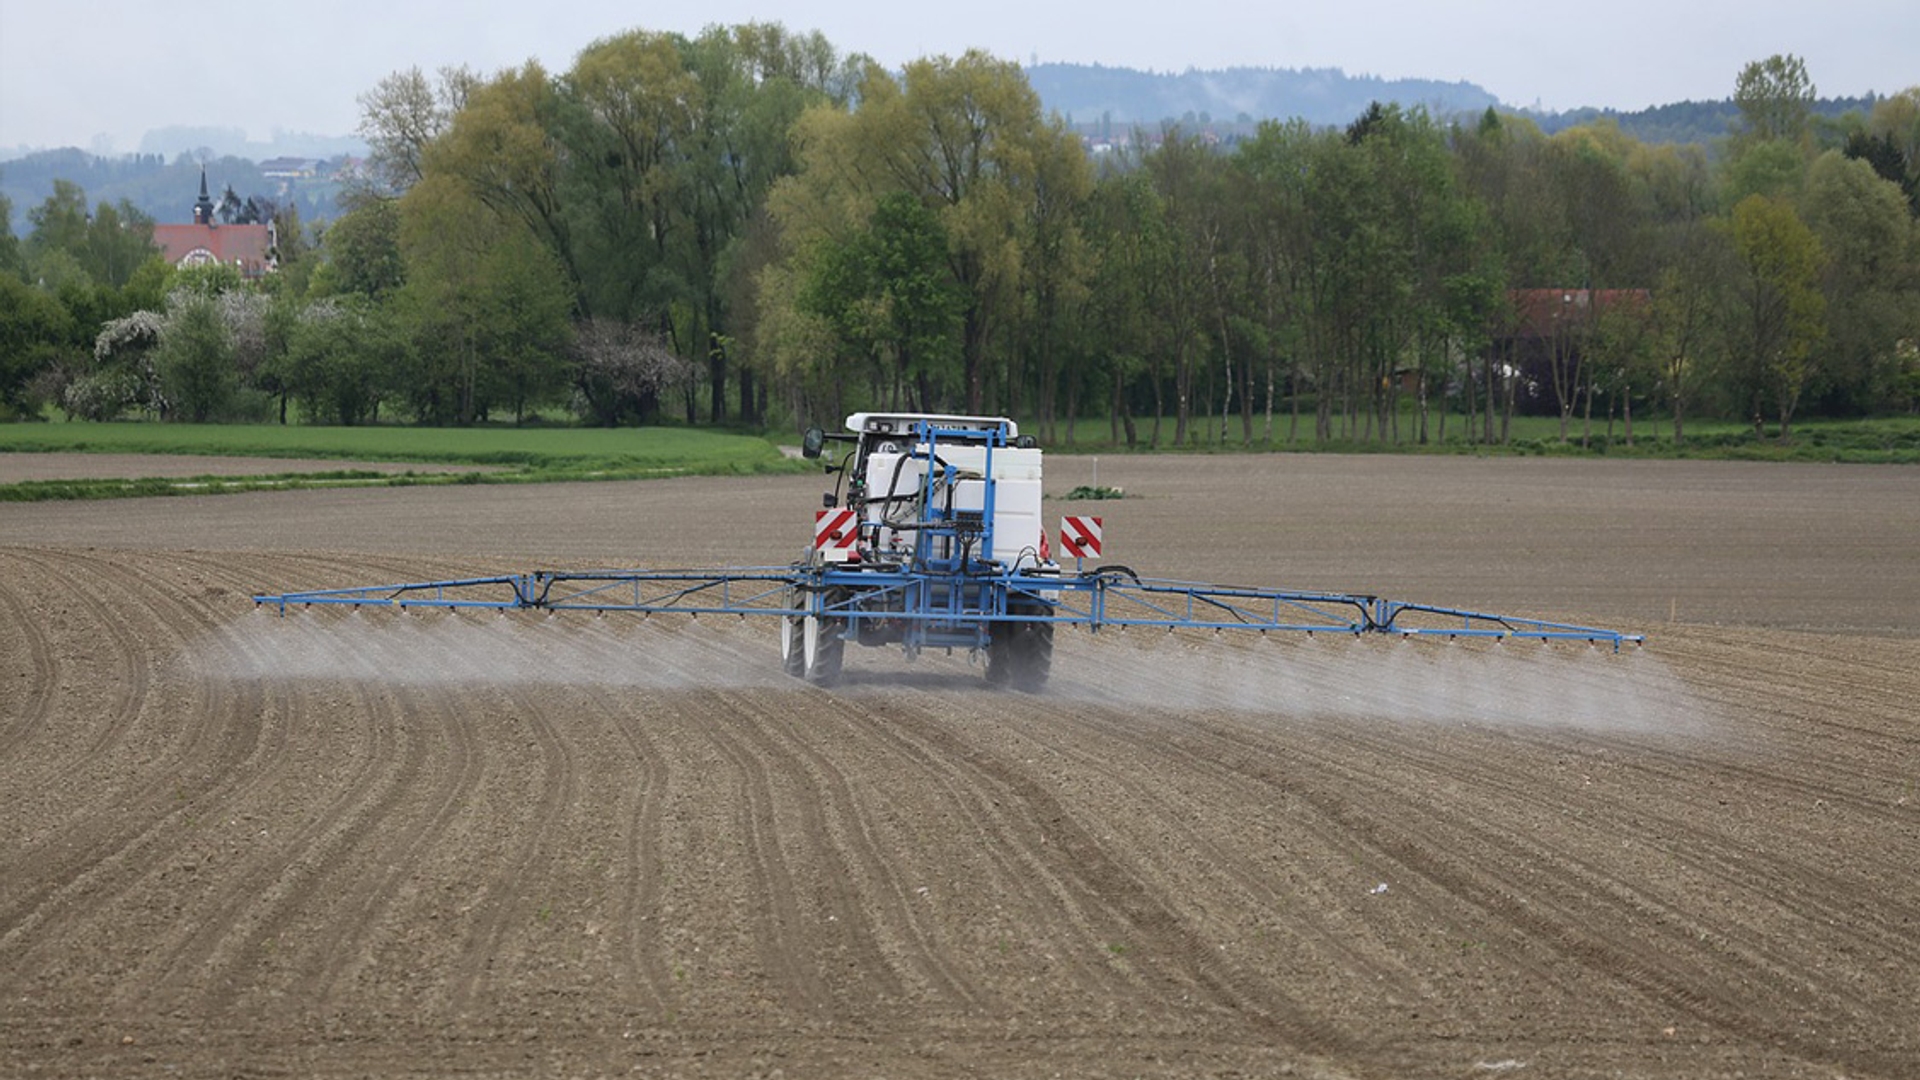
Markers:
point(899, 423)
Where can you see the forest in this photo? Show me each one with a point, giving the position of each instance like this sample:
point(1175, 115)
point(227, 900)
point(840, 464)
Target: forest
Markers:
point(748, 228)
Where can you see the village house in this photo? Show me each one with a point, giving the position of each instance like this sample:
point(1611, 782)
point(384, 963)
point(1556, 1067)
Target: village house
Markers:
point(248, 248)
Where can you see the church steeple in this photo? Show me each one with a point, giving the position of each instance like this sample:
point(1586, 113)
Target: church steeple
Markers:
point(203, 208)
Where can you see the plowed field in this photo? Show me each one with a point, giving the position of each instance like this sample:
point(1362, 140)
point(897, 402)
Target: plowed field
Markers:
point(343, 844)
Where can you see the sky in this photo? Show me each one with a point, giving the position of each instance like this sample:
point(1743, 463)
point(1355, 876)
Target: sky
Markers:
point(99, 73)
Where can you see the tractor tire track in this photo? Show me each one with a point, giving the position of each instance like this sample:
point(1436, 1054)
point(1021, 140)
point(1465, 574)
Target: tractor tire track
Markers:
point(886, 906)
point(507, 903)
point(781, 814)
point(1120, 904)
point(1058, 908)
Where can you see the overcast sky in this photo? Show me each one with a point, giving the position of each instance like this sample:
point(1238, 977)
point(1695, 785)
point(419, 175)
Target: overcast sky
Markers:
point(100, 73)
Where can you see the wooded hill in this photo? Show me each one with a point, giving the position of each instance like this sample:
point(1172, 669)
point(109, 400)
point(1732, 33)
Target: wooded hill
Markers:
point(1090, 93)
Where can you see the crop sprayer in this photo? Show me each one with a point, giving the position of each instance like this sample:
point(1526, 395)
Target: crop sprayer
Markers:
point(934, 539)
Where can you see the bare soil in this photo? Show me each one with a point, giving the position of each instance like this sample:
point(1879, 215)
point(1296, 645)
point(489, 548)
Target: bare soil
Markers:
point(362, 844)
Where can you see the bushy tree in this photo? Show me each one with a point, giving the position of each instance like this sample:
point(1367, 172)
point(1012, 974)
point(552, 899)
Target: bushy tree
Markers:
point(35, 329)
point(108, 243)
point(402, 115)
point(620, 372)
point(195, 359)
point(124, 373)
point(1782, 315)
point(885, 292)
point(361, 251)
point(342, 360)
point(1869, 278)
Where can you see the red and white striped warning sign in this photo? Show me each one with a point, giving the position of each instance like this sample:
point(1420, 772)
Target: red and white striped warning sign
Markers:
point(834, 530)
point(1080, 537)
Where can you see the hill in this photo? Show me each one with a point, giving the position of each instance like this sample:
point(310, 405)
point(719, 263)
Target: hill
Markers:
point(162, 188)
point(1103, 102)
point(1698, 122)
point(1090, 94)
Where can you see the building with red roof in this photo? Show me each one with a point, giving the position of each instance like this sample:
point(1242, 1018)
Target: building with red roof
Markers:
point(247, 248)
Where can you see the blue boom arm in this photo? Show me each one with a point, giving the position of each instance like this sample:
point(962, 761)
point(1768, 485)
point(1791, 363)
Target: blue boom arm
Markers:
point(1109, 598)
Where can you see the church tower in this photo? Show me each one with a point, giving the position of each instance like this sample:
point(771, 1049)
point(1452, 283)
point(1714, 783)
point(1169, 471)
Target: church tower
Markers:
point(203, 208)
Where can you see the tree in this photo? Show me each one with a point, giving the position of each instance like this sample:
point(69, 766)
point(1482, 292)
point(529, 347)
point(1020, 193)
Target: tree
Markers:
point(519, 306)
point(1623, 354)
point(1782, 319)
point(1689, 315)
point(1869, 279)
point(362, 251)
point(637, 106)
point(503, 149)
point(1450, 283)
point(1504, 165)
point(1775, 169)
point(195, 358)
point(402, 115)
point(343, 358)
point(34, 332)
point(1282, 253)
point(278, 323)
point(1187, 178)
point(1127, 230)
point(1776, 99)
point(123, 374)
point(60, 223)
point(755, 79)
point(620, 370)
point(11, 259)
point(965, 137)
point(293, 253)
point(108, 245)
point(486, 306)
point(885, 292)
point(1055, 272)
point(1896, 121)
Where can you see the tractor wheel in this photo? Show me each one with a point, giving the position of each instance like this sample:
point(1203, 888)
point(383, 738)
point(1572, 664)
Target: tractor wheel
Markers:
point(793, 658)
point(1000, 655)
point(1020, 654)
point(824, 648)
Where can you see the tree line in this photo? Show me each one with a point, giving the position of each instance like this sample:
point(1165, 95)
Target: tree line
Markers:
point(747, 227)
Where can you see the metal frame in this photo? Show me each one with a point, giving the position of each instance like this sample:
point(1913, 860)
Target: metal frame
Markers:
point(1098, 600)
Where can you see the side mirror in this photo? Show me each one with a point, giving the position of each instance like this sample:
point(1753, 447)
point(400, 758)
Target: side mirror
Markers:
point(812, 442)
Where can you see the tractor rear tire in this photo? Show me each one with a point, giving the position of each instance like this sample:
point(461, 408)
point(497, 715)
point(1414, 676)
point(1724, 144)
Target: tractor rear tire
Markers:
point(1020, 654)
point(825, 649)
point(793, 657)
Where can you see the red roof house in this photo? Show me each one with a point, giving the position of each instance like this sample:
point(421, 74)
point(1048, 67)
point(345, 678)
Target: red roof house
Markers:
point(249, 248)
